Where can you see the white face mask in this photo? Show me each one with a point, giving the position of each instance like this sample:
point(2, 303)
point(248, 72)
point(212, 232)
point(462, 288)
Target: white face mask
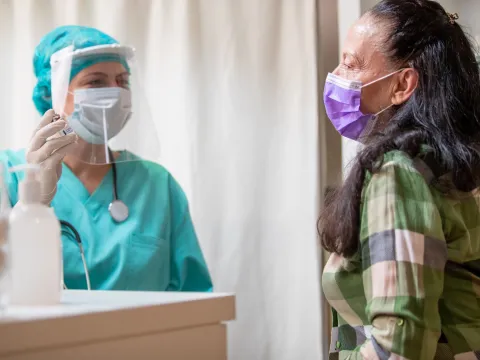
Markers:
point(99, 114)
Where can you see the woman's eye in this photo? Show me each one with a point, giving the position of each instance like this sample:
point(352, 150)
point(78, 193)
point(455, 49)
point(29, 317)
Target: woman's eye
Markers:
point(95, 82)
point(124, 83)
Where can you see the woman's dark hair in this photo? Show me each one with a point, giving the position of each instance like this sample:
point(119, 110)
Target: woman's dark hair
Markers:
point(443, 112)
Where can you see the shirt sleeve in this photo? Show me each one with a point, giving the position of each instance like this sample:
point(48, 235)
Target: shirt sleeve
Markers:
point(403, 259)
point(189, 271)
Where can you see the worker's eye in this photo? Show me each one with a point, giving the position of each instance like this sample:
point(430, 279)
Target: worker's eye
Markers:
point(96, 83)
point(124, 83)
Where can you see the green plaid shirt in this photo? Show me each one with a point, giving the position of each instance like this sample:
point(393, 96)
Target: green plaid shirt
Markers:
point(413, 290)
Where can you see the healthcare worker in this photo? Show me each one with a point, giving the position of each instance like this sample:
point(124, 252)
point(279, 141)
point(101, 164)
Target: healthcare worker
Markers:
point(126, 215)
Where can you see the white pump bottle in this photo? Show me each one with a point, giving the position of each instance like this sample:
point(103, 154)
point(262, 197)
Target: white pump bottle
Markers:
point(5, 209)
point(34, 237)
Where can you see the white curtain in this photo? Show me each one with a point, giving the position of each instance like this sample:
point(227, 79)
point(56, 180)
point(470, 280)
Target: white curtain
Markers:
point(232, 86)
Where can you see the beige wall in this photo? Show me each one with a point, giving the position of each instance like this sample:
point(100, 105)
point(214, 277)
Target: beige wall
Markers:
point(331, 154)
point(330, 141)
point(348, 12)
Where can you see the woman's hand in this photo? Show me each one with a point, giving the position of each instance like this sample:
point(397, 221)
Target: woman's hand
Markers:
point(49, 154)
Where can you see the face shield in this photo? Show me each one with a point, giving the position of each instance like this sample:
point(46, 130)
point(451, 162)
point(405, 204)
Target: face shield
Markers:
point(103, 104)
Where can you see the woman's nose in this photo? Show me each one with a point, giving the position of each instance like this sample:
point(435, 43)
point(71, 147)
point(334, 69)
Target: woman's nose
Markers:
point(336, 71)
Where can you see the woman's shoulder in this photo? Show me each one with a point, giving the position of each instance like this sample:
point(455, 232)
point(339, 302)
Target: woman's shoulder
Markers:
point(397, 163)
point(422, 168)
point(400, 172)
point(399, 159)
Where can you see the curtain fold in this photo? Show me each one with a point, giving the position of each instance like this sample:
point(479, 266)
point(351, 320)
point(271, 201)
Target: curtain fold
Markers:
point(233, 90)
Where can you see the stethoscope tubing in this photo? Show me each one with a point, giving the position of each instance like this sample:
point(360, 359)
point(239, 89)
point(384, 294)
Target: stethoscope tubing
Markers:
point(78, 239)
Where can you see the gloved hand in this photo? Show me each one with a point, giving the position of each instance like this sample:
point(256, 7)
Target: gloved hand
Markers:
point(49, 154)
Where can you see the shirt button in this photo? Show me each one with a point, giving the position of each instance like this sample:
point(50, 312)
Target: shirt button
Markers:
point(400, 322)
point(337, 345)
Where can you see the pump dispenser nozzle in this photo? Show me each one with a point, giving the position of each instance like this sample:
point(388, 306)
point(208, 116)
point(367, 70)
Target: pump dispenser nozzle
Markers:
point(29, 190)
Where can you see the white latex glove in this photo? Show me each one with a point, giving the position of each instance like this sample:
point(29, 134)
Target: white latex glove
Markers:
point(49, 154)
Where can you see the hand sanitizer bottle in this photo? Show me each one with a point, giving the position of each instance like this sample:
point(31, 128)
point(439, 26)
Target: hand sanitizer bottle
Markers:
point(5, 208)
point(35, 248)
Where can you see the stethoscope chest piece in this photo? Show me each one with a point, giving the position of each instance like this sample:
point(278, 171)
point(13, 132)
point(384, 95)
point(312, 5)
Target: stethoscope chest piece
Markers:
point(118, 210)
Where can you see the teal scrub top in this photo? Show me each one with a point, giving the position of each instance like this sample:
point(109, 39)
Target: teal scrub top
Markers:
point(156, 248)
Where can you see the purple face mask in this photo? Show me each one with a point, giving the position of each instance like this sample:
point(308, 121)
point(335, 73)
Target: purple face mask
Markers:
point(342, 103)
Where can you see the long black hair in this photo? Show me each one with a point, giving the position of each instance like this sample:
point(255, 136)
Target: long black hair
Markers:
point(443, 112)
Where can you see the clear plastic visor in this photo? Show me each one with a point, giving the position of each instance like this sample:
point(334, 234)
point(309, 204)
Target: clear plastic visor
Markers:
point(96, 91)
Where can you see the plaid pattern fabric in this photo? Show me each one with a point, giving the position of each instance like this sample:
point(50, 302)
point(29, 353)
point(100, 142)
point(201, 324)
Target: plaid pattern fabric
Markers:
point(413, 289)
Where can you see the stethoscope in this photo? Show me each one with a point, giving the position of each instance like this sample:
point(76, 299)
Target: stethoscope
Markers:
point(118, 211)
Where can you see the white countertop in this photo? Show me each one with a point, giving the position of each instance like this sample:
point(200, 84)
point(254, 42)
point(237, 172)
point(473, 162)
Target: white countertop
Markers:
point(78, 302)
point(86, 316)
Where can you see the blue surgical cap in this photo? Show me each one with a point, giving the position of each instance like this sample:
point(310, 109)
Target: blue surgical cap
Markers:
point(80, 37)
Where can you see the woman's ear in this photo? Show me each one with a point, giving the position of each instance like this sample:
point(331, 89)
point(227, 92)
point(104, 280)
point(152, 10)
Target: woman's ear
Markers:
point(406, 84)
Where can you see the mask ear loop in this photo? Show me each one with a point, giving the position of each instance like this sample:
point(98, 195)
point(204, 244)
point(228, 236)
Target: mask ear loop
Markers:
point(377, 80)
point(371, 124)
point(368, 130)
point(383, 110)
point(382, 78)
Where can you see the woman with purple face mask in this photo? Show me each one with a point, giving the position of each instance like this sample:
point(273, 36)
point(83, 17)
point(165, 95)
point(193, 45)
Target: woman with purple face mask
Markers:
point(403, 278)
